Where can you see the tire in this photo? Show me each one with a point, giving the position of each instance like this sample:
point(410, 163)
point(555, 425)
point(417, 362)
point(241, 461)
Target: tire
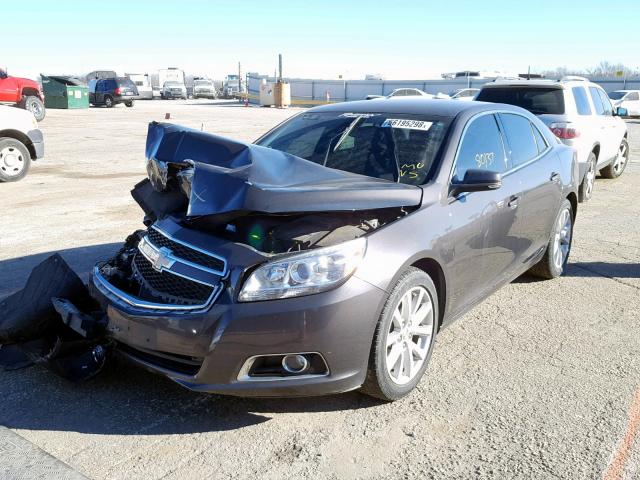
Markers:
point(15, 160)
point(617, 166)
point(585, 191)
point(392, 336)
point(108, 101)
point(129, 103)
point(35, 106)
point(553, 264)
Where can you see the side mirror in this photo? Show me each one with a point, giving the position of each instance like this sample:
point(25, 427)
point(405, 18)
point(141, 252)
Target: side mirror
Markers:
point(621, 112)
point(476, 180)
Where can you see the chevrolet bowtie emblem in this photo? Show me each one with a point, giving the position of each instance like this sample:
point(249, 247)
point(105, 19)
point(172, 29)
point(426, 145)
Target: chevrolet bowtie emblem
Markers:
point(160, 258)
point(163, 261)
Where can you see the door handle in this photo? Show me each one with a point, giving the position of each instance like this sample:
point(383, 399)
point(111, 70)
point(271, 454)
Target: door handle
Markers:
point(555, 177)
point(513, 201)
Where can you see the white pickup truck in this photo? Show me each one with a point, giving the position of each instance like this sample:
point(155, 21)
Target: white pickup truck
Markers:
point(21, 141)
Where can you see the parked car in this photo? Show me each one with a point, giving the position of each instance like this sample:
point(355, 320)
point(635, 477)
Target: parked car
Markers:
point(171, 90)
point(22, 93)
point(580, 115)
point(466, 94)
point(203, 88)
point(327, 256)
point(627, 99)
point(21, 141)
point(402, 92)
point(112, 91)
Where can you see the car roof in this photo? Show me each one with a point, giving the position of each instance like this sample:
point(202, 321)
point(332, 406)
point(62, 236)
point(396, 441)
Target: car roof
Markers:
point(415, 105)
point(541, 82)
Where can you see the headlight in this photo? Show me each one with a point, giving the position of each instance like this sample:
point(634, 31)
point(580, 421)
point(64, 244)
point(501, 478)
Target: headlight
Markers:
point(303, 274)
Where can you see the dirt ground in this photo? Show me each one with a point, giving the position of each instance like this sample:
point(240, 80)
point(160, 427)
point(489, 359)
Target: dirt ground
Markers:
point(540, 381)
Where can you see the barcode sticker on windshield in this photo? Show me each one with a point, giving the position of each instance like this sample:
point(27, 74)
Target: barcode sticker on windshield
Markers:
point(409, 124)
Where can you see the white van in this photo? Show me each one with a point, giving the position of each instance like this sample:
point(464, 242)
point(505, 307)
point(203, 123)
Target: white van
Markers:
point(143, 84)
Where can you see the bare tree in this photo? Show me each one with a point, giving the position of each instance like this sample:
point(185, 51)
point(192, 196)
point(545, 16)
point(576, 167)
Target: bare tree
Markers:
point(608, 69)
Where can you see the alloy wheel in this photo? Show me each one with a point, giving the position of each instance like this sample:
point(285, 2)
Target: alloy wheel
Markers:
point(590, 178)
point(409, 336)
point(621, 158)
point(562, 240)
point(34, 108)
point(11, 161)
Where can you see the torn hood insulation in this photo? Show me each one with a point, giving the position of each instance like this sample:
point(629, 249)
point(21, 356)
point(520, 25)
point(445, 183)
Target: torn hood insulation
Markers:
point(216, 175)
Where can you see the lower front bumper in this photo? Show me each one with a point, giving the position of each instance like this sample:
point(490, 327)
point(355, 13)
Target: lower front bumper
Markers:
point(338, 324)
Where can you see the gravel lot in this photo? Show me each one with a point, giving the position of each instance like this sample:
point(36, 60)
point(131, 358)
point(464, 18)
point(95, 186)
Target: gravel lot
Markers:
point(537, 382)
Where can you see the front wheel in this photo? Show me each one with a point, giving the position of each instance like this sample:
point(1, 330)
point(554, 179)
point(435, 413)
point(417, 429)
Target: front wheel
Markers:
point(14, 160)
point(404, 337)
point(556, 256)
point(615, 168)
point(35, 106)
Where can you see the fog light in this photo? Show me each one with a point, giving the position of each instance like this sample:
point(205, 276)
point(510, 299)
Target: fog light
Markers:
point(295, 363)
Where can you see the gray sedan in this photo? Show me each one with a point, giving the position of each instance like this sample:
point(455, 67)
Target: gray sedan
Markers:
point(327, 256)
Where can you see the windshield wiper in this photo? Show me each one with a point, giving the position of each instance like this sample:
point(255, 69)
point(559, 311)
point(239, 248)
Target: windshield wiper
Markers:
point(341, 138)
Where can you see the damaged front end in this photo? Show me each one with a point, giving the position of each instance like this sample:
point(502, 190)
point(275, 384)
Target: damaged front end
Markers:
point(214, 210)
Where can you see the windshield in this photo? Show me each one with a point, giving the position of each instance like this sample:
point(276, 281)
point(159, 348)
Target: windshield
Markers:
point(172, 84)
point(396, 147)
point(538, 100)
point(202, 83)
point(616, 95)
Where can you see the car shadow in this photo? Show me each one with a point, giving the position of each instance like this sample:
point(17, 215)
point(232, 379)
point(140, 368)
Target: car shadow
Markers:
point(604, 269)
point(592, 269)
point(125, 399)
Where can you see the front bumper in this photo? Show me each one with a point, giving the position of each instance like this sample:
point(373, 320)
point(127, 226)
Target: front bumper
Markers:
point(338, 324)
point(37, 140)
point(175, 95)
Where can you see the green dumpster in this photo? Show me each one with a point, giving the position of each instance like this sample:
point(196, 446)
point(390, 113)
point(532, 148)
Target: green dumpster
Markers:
point(64, 92)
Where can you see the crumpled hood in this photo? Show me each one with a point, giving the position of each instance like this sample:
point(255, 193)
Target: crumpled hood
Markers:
point(220, 176)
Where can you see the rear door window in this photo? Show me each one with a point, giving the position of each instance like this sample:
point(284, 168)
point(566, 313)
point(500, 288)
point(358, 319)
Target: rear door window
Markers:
point(582, 101)
point(538, 100)
point(481, 148)
point(606, 103)
point(541, 142)
point(597, 101)
point(633, 96)
point(519, 133)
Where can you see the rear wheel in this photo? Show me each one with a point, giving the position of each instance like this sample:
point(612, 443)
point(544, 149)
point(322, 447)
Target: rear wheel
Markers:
point(404, 337)
point(35, 106)
point(108, 101)
point(129, 103)
point(585, 192)
point(615, 168)
point(14, 160)
point(556, 256)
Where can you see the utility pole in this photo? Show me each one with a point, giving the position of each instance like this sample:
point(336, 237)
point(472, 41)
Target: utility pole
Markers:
point(239, 79)
point(280, 67)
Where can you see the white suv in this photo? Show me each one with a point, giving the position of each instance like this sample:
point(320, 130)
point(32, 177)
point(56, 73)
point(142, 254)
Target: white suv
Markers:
point(580, 114)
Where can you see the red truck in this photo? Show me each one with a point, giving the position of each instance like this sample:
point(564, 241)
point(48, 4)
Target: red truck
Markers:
point(23, 93)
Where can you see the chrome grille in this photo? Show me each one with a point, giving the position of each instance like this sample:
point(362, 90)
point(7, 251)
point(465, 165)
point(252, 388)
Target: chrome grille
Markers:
point(184, 252)
point(167, 287)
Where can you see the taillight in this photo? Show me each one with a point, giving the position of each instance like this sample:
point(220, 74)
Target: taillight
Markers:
point(565, 131)
point(117, 91)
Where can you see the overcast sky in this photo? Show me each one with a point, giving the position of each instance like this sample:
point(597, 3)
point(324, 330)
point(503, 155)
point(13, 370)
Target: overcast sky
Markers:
point(321, 39)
